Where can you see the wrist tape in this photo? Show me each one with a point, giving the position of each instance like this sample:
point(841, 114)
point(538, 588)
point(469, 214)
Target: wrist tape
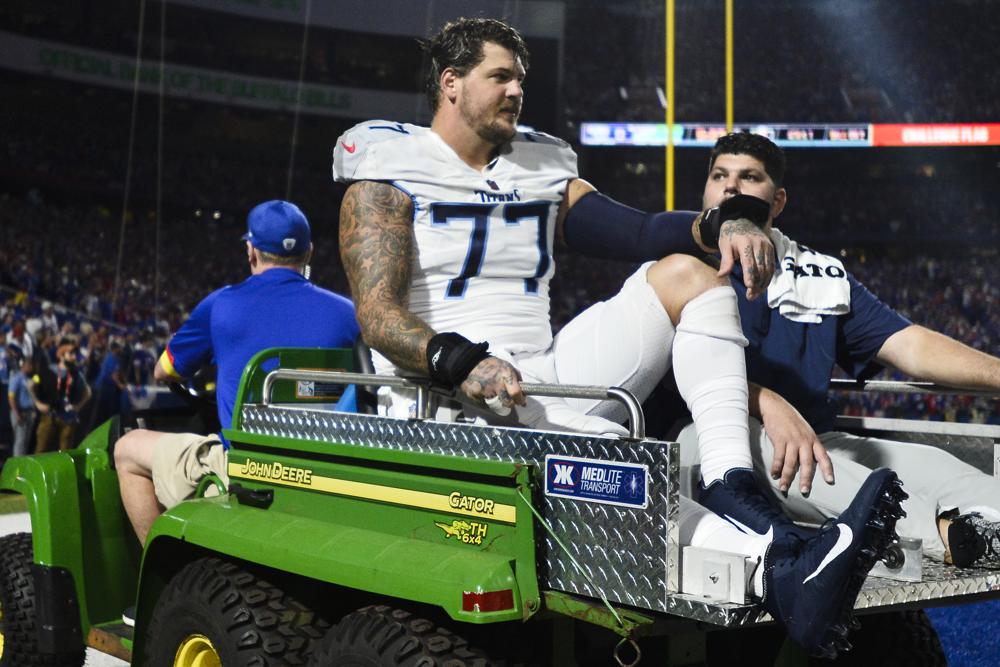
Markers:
point(451, 357)
point(740, 207)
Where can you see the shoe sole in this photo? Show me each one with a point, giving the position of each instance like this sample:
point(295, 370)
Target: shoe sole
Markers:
point(887, 510)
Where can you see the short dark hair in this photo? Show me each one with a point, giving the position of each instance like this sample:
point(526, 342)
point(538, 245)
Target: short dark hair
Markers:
point(68, 340)
point(754, 145)
point(459, 45)
point(283, 260)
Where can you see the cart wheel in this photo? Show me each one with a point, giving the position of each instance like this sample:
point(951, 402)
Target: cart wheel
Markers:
point(18, 624)
point(385, 637)
point(215, 613)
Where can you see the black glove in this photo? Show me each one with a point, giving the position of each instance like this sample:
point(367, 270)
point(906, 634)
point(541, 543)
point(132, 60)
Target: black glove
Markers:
point(451, 357)
point(740, 207)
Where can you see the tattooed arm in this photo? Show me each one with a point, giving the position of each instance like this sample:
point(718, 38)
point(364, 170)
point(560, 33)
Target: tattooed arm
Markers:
point(742, 242)
point(376, 248)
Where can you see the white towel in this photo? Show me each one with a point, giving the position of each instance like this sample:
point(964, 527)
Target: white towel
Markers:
point(807, 285)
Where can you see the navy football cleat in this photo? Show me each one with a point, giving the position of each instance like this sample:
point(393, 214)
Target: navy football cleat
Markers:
point(741, 501)
point(810, 586)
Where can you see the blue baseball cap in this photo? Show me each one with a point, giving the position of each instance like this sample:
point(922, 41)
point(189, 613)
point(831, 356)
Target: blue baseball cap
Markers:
point(278, 227)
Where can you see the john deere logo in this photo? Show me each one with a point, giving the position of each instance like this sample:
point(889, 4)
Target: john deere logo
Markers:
point(466, 532)
point(275, 471)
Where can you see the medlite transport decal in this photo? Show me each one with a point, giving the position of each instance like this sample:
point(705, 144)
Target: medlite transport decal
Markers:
point(608, 482)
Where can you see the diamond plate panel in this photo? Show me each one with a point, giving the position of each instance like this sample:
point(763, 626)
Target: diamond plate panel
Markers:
point(941, 582)
point(631, 555)
point(973, 443)
point(976, 451)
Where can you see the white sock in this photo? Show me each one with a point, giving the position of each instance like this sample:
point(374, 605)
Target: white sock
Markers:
point(711, 375)
point(700, 528)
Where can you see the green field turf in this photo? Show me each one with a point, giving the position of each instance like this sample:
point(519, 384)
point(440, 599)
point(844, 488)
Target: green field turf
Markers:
point(12, 502)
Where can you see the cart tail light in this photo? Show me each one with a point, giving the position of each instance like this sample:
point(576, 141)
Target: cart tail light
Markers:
point(488, 601)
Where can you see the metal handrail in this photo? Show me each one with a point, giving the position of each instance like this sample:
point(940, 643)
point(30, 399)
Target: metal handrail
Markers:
point(637, 421)
point(907, 387)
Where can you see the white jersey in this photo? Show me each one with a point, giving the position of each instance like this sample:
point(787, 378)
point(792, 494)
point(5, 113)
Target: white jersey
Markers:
point(483, 256)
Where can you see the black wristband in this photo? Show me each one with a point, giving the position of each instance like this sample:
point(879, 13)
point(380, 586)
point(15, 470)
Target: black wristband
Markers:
point(740, 207)
point(451, 357)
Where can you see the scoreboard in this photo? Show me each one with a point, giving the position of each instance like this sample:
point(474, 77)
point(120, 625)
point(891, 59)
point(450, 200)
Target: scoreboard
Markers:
point(803, 135)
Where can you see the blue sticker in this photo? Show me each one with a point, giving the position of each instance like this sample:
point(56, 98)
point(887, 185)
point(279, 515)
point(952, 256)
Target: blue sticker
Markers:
point(608, 482)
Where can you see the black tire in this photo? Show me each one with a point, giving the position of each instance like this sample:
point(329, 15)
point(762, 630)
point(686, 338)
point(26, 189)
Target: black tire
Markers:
point(18, 623)
point(250, 622)
point(385, 637)
point(894, 639)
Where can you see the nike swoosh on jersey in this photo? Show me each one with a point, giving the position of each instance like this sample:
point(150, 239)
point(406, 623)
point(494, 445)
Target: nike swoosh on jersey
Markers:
point(351, 148)
point(844, 541)
point(748, 530)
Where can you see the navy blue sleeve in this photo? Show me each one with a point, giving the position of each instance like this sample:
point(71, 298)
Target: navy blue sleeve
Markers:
point(862, 332)
point(598, 226)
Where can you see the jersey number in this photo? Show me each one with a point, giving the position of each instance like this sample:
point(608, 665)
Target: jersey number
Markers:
point(513, 214)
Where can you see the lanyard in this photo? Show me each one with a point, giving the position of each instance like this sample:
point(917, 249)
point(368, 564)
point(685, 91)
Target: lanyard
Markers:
point(67, 386)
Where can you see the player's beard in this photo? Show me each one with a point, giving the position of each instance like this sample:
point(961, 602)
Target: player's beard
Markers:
point(483, 120)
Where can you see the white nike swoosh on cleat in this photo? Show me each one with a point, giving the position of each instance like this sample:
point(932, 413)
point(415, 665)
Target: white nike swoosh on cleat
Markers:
point(748, 530)
point(843, 542)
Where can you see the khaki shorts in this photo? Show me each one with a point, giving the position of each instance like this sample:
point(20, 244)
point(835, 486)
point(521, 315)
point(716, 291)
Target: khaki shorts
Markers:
point(181, 460)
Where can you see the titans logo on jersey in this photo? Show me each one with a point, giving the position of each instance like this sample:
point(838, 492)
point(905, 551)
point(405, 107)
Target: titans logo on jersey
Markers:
point(483, 238)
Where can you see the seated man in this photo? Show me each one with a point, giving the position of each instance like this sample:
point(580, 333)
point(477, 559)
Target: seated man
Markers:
point(276, 306)
point(446, 235)
point(816, 314)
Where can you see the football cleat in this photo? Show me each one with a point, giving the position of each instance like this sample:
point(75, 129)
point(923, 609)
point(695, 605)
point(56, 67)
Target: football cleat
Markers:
point(741, 501)
point(810, 585)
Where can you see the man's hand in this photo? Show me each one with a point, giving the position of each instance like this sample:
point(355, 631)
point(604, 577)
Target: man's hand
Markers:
point(795, 444)
point(43, 408)
point(495, 384)
point(744, 242)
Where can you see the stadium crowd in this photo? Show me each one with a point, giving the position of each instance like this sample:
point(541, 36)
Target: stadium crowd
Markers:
point(65, 256)
point(61, 233)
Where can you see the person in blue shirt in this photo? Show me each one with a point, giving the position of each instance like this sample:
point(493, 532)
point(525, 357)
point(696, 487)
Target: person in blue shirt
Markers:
point(276, 306)
point(110, 384)
point(816, 315)
point(22, 405)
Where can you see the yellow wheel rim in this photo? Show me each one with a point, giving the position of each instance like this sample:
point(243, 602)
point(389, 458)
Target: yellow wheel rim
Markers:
point(197, 651)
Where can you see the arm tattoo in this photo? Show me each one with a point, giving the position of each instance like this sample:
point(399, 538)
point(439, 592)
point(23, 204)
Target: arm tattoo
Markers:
point(376, 248)
point(483, 375)
point(741, 226)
